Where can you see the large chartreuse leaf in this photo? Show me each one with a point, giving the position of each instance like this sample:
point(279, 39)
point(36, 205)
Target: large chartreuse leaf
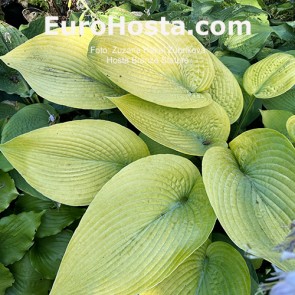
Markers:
point(190, 131)
point(16, 235)
point(142, 224)
point(57, 68)
point(27, 280)
point(8, 191)
point(11, 81)
point(6, 278)
point(290, 125)
point(252, 190)
point(271, 76)
point(46, 254)
point(276, 119)
point(225, 90)
point(285, 101)
point(27, 119)
point(170, 70)
point(70, 162)
point(214, 268)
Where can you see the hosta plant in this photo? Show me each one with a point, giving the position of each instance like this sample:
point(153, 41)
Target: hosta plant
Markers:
point(149, 225)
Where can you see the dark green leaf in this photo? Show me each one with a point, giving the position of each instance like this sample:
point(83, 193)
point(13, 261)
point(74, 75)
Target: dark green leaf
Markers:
point(46, 254)
point(6, 278)
point(8, 191)
point(27, 119)
point(27, 280)
point(16, 235)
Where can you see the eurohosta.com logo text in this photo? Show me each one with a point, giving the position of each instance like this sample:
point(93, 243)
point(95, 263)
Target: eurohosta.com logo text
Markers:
point(150, 28)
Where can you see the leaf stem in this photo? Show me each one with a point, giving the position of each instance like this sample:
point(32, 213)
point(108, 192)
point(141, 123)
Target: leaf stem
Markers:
point(244, 115)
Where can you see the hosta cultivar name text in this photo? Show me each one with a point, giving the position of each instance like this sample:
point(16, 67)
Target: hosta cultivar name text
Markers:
point(150, 28)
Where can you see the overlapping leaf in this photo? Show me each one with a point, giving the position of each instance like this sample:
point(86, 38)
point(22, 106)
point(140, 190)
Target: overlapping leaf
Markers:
point(166, 69)
point(271, 76)
point(29, 118)
point(27, 279)
point(46, 254)
point(244, 44)
point(214, 268)
point(252, 190)
point(11, 81)
point(276, 119)
point(190, 131)
point(70, 162)
point(16, 235)
point(6, 278)
point(57, 68)
point(285, 101)
point(8, 191)
point(142, 224)
point(225, 90)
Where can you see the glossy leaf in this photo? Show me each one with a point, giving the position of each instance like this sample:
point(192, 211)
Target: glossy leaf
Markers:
point(252, 190)
point(6, 278)
point(46, 253)
point(16, 235)
point(174, 71)
point(225, 90)
point(27, 119)
point(285, 101)
point(236, 65)
point(57, 68)
point(8, 191)
point(190, 131)
point(27, 279)
point(11, 81)
point(271, 76)
point(70, 162)
point(144, 222)
point(290, 125)
point(214, 268)
point(55, 218)
point(276, 119)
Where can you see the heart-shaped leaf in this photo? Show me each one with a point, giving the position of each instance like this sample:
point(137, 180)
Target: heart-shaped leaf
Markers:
point(174, 70)
point(271, 76)
point(214, 268)
point(70, 162)
point(142, 224)
point(58, 69)
point(252, 190)
point(190, 131)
